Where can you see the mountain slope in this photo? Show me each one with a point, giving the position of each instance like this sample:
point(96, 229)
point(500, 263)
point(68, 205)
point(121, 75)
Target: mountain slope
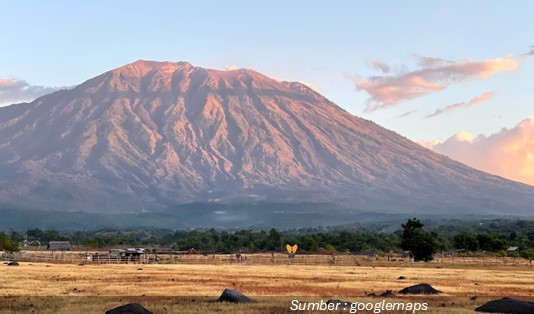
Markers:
point(151, 135)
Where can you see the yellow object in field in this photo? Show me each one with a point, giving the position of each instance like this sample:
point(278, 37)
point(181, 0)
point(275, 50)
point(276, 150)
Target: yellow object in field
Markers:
point(291, 249)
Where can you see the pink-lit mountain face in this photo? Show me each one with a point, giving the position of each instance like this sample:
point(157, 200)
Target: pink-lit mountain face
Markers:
point(152, 135)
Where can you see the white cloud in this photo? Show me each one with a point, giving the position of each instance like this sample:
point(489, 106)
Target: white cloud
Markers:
point(408, 113)
point(432, 75)
point(13, 91)
point(473, 102)
point(310, 85)
point(378, 65)
point(508, 153)
point(232, 68)
point(530, 52)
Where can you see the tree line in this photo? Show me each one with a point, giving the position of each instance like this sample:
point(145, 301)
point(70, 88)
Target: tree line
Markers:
point(494, 236)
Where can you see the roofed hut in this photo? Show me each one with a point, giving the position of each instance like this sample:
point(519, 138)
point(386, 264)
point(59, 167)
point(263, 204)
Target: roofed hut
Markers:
point(59, 246)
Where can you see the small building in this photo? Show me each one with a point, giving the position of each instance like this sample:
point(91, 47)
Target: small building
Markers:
point(406, 254)
point(128, 255)
point(512, 249)
point(58, 246)
point(116, 252)
point(192, 251)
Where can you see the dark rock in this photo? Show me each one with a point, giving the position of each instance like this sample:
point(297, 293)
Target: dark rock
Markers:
point(372, 294)
point(130, 308)
point(473, 298)
point(13, 263)
point(341, 303)
point(422, 288)
point(388, 293)
point(401, 278)
point(234, 296)
point(507, 305)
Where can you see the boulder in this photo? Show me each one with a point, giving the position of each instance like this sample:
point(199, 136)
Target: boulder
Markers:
point(234, 296)
point(507, 305)
point(13, 263)
point(130, 308)
point(422, 288)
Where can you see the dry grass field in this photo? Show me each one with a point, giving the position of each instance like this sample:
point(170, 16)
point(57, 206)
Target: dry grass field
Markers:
point(68, 288)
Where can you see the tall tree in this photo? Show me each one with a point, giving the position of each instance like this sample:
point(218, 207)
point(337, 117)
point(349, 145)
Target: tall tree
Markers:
point(419, 242)
point(274, 239)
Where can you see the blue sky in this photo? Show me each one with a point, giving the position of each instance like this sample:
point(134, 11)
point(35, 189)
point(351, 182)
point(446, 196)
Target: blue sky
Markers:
point(329, 45)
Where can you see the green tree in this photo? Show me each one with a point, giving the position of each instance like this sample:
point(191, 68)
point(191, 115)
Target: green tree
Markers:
point(513, 236)
point(53, 235)
point(486, 242)
point(528, 254)
point(34, 234)
point(465, 240)
point(309, 244)
point(7, 244)
point(92, 243)
point(419, 242)
point(330, 248)
point(274, 240)
point(501, 253)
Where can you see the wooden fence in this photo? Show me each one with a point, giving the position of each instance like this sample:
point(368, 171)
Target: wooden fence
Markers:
point(76, 257)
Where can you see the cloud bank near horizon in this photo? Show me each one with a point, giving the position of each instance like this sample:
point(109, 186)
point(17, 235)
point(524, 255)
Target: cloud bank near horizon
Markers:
point(508, 153)
point(15, 91)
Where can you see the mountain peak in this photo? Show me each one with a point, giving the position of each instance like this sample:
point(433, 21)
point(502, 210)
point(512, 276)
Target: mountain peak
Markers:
point(155, 76)
point(150, 64)
point(157, 134)
point(141, 68)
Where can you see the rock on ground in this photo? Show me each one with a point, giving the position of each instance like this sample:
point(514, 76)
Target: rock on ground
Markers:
point(507, 305)
point(130, 308)
point(234, 296)
point(422, 288)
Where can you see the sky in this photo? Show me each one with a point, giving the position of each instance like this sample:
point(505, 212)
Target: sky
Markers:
point(454, 76)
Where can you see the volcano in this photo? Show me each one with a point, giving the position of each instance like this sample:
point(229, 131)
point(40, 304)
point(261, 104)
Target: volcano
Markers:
point(154, 135)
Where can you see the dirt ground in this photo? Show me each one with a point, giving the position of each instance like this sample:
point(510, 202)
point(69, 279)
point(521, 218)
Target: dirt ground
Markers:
point(67, 288)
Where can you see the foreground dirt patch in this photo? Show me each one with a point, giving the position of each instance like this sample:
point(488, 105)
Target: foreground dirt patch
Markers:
point(59, 288)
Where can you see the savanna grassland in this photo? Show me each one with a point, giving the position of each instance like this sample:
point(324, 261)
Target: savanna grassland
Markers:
point(93, 288)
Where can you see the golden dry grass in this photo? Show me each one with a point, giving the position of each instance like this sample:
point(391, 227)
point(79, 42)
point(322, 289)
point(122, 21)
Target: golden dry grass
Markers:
point(61, 288)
